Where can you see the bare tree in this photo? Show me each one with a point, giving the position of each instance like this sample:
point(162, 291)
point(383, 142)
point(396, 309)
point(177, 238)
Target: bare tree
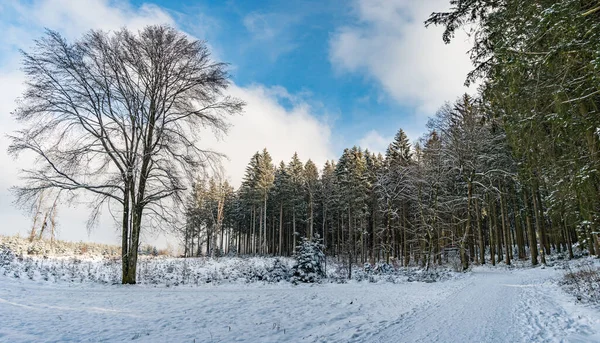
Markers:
point(217, 193)
point(118, 115)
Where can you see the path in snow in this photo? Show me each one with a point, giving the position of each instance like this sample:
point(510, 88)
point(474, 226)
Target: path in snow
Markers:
point(499, 306)
point(486, 306)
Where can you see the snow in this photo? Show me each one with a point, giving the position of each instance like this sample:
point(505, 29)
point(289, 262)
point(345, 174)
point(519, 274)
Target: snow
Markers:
point(167, 272)
point(500, 305)
point(487, 305)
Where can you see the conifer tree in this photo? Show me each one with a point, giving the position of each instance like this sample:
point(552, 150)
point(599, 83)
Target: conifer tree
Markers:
point(282, 188)
point(328, 199)
point(264, 181)
point(311, 179)
point(296, 173)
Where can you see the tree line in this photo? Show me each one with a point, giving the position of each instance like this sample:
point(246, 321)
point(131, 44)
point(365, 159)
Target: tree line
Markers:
point(459, 188)
point(508, 173)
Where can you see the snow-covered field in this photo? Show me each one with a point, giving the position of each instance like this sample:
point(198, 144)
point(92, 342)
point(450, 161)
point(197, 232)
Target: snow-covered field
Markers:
point(487, 305)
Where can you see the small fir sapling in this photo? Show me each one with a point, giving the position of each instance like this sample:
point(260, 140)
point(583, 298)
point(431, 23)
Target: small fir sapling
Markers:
point(310, 260)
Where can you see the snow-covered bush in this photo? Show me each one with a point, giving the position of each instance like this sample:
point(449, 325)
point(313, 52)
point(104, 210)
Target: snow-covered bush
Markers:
point(361, 275)
point(278, 272)
point(383, 268)
point(309, 262)
point(455, 262)
point(83, 263)
point(7, 257)
point(36, 248)
point(380, 271)
point(427, 276)
point(583, 281)
point(380, 268)
point(337, 272)
point(23, 246)
point(198, 271)
point(232, 251)
point(158, 271)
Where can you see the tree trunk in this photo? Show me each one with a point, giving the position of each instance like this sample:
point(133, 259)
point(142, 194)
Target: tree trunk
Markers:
point(32, 234)
point(463, 241)
point(497, 231)
point(492, 232)
point(519, 229)
point(281, 229)
point(505, 229)
point(260, 231)
point(264, 244)
point(53, 220)
point(543, 236)
point(539, 227)
point(388, 247)
point(480, 234)
point(125, 238)
point(294, 229)
point(324, 226)
point(405, 239)
point(310, 234)
point(530, 232)
point(134, 246)
point(253, 237)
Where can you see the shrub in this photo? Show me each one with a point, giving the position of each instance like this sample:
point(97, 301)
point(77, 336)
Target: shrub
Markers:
point(583, 282)
point(309, 262)
point(278, 272)
point(6, 256)
point(384, 268)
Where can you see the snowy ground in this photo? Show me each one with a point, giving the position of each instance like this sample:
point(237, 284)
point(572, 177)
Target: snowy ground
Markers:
point(488, 305)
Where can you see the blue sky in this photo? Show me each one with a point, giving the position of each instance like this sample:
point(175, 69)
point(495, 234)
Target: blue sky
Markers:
point(288, 44)
point(317, 76)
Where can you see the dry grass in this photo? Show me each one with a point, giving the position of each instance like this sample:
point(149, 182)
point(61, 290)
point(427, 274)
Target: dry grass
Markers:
point(584, 282)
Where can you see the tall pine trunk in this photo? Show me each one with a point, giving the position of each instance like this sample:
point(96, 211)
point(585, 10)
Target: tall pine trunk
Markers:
point(505, 227)
point(281, 228)
point(480, 234)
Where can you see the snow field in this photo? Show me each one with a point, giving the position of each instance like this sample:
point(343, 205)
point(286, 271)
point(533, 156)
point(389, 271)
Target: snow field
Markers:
point(225, 313)
point(161, 271)
point(253, 299)
point(487, 305)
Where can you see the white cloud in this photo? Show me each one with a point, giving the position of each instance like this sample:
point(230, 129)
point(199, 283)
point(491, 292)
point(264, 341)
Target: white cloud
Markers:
point(258, 25)
point(266, 123)
point(375, 142)
point(270, 32)
point(389, 43)
point(378, 143)
point(74, 17)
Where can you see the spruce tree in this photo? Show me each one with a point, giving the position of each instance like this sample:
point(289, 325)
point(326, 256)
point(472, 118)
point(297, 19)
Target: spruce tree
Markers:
point(311, 179)
point(296, 173)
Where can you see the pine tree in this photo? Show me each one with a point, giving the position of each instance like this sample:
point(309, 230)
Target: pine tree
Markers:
point(398, 152)
point(264, 181)
point(311, 180)
point(296, 173)
point(282, 188)
point(327, 195)
point(310, 259)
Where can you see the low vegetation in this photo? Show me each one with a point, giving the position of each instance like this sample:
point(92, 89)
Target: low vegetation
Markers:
point(46, 247)
point(98, 266)
point(583, 281)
